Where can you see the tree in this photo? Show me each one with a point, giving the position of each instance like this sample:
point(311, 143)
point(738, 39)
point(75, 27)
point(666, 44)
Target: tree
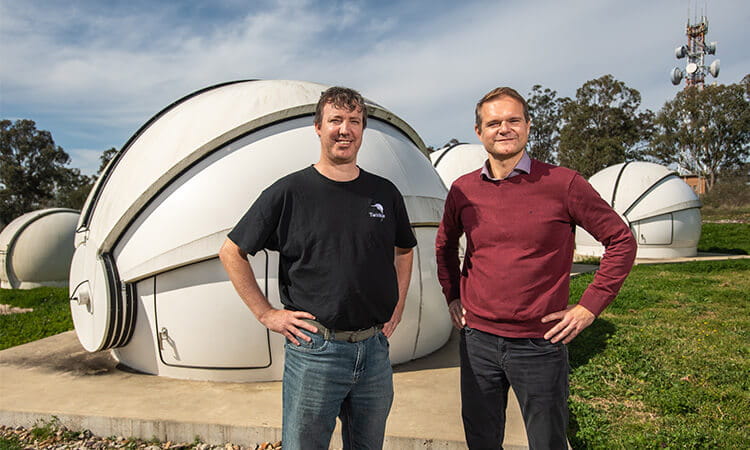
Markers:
point(603, 127)
point(546, 114)
point(450, 143)
point(31, 168)
point(72, 190)
point(105, 158)
point(704, 131)
point(75, 187)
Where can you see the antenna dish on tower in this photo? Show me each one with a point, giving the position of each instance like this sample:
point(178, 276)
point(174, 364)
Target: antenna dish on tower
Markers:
point(695, 68)
point(676, 76)
point(713, 69)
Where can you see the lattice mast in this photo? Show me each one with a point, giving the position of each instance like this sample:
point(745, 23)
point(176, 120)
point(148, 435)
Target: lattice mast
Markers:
point(695, 51)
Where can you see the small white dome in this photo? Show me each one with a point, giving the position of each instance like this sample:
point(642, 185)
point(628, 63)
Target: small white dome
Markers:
point(36, 249)
point(662, 210)
point(453, 161)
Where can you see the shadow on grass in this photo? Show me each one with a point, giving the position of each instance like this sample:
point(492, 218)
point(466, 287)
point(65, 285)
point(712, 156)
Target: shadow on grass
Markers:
point(588, 344)
point(591, 342)
point(726, 251)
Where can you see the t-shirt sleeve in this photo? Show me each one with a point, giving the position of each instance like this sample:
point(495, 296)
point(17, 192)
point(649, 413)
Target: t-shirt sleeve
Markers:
point(404, 234)
point(256, 229)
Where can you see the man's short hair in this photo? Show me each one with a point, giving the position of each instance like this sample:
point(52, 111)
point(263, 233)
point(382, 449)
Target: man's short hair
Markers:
point(495, 94)
point(343, 98)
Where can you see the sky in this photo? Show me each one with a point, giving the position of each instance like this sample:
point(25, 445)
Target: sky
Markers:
point(92, 72)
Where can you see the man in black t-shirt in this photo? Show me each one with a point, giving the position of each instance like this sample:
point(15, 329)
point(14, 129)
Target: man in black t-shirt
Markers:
point(345, 255)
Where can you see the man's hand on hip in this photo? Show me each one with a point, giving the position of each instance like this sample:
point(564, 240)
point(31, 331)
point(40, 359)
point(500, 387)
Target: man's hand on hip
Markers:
point(457, 312)
point(288, 323)
point(390, 326)
point(573, 320)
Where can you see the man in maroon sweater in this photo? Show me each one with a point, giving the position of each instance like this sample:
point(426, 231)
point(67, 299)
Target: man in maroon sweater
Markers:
point(510, 298)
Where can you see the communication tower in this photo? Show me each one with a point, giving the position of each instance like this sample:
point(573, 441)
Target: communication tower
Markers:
point(695, 51)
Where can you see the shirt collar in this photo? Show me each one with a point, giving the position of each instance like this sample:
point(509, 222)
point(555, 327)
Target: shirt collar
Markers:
point(523, 166)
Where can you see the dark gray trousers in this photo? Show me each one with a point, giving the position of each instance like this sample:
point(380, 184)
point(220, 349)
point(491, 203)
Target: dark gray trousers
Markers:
point(538, 372)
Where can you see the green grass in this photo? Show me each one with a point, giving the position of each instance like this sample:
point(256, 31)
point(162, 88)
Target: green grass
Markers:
point(51, 315)
point(733, 238)
point(666, 365)
point(10, 443)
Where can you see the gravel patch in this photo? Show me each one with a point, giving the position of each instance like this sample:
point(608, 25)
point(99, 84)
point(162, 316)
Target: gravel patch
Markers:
point(59, 437)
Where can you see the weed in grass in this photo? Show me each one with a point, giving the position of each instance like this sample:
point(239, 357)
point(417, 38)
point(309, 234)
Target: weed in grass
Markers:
point(44, 429)
point(10, 443)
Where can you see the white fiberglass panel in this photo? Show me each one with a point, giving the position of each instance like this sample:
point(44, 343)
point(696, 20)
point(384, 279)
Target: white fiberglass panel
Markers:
point(389, 153)
point(636, 179)
point(43, 250)
point(669, 195)
point(190, 218)
point(209, 199)
point(654, 230)
point(687, 229)
point(202, 322)
point(604, 183)
point(458, 161)
point(402, 340)
point(90, 299)
point(184, 129)
point(142, 352)
point(434, 321)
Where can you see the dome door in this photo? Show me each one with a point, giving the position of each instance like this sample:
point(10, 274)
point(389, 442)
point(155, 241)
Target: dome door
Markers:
point(655, 230)
point(201, 322)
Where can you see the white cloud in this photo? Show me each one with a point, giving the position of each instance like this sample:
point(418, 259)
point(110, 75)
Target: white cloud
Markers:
point(89, 65)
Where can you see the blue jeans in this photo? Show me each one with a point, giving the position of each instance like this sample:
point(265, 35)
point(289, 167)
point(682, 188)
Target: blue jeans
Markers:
point(324, 379)
point(538, 372)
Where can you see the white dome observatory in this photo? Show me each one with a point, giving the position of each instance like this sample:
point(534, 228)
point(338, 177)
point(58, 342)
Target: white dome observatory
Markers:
point(146, 280)
point(662, 210)
point(453, 161)
point(36, 249)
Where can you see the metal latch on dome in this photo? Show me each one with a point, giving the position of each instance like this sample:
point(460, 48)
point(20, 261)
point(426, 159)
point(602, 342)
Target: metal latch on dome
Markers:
point(164, 336)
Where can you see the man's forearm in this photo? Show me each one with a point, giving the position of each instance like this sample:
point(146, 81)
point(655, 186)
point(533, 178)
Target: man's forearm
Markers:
point(404, 262)
point(243, 279)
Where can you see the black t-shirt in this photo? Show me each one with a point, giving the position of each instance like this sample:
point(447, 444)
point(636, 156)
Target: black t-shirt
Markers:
point(336, 243)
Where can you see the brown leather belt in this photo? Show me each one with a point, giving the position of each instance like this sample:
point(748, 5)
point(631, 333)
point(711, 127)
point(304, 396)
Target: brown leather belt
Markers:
point(344, 335)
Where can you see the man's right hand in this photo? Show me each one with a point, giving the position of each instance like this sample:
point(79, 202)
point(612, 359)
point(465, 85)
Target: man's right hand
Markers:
point(457, 313)
point(288, 323)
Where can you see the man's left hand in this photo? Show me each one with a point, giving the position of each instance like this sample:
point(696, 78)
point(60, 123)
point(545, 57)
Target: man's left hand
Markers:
point(573, 320)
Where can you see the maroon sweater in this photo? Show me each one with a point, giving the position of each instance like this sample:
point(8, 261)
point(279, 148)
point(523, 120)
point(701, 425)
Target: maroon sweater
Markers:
point(519, 248)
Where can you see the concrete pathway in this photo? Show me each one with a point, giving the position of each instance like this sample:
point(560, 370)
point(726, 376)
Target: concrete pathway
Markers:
point(57, 377)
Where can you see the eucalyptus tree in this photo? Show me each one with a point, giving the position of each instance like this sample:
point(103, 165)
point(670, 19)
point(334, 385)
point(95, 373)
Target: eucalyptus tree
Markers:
point(603, 126)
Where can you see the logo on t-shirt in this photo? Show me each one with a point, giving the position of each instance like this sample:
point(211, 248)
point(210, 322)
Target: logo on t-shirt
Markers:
point(377, 211)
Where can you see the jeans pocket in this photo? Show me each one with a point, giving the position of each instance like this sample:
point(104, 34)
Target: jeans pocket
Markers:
point(316, 344)
point(384, 340)
point(544, 344)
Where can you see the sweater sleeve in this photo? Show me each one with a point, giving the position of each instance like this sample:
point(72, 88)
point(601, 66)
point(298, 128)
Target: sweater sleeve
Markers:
point(446, 249)
point(594, 215)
